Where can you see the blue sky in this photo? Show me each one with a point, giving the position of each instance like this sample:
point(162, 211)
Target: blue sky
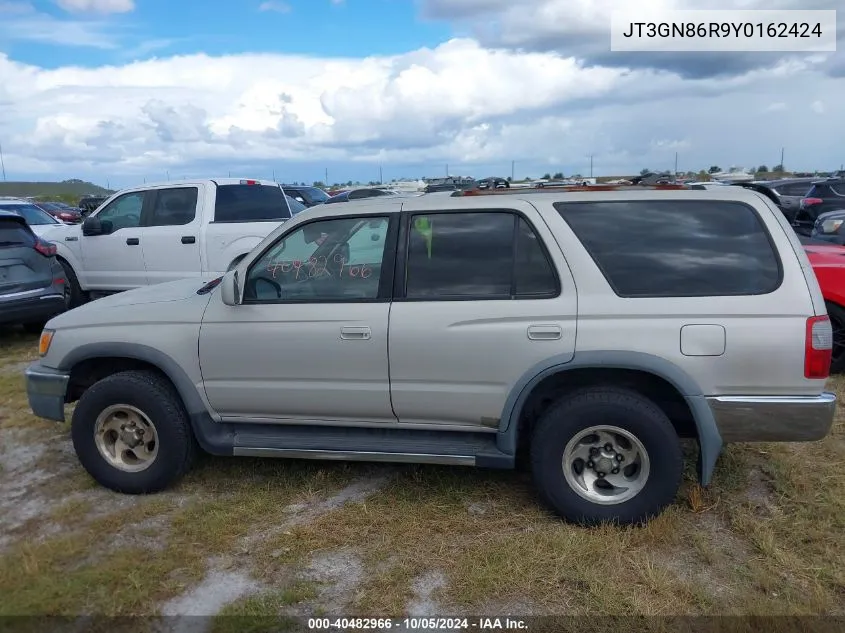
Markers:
point(304, 27)
point(119, 91)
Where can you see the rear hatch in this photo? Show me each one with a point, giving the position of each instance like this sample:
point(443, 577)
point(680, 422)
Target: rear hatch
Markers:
point(22, 268)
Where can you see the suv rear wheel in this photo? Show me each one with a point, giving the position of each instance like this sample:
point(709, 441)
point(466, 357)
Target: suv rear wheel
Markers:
point(606, 454)
point(131, 433)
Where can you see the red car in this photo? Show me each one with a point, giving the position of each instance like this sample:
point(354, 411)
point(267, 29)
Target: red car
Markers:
point(828, 263)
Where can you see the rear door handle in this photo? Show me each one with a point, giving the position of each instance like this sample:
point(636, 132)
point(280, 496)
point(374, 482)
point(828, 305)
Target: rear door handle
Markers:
point(544, 332)
point(355, 333)
point(133, 241)
point(188, 239)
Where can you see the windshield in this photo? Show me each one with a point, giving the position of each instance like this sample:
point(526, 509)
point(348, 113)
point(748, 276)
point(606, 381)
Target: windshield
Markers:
point(32, 214)
point(295, 206)
point(315, 195)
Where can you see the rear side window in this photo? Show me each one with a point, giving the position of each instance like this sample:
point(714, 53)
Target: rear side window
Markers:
point(477, 255)
point(676, 248)
point(174, 207)
point(13, 234)
point(794, 189)
point(250, 203)
point(838, 189)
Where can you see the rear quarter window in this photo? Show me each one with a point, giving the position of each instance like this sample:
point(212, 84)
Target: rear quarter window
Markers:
point(250, 203)
point(677, 248)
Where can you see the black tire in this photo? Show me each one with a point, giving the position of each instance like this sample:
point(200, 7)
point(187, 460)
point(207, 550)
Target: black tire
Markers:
point(75, 297)
point(156, 397)
point(611, 406)
point(836, 314)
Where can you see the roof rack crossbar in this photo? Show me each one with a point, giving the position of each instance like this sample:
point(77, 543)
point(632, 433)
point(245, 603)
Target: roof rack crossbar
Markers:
point(558, 189)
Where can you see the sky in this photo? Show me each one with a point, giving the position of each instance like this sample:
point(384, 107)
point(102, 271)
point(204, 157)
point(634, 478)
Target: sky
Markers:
point(125, 91)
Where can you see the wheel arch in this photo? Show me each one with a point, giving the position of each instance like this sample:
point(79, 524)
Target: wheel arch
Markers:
point(674, 390)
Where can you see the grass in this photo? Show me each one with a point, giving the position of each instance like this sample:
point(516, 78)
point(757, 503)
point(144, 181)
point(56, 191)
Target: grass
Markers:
point(69, 189)
point(766, 538)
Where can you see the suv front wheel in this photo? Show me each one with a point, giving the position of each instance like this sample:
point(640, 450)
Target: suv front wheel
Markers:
point(606, 454)
point(131, 433)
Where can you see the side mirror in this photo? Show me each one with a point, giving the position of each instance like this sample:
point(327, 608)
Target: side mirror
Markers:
point(229, 291)
point(92, 226)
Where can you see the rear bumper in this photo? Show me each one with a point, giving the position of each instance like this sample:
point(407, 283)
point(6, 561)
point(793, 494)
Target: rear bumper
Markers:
point(773, 418)
point(31, 309)
point(46, 389)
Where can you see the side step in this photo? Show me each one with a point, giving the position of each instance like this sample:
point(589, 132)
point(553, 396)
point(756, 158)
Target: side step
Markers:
point(368, 444)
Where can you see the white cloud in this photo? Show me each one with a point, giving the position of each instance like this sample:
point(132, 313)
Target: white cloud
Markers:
point(458, 103)
point(97, 6)
point(817, 107)
point(275, 5)
point(778, 106)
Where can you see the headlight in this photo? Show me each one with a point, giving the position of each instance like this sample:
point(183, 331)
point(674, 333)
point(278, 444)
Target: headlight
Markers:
point(44, 341)
point(831, 226)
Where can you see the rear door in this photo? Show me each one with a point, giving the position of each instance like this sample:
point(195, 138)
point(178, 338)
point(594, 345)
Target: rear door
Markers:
point(482, 295)
point(22, 268)
point(170, 235)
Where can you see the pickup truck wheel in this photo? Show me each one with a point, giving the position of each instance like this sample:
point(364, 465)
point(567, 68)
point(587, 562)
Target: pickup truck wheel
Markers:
point(131, 433)
point(606, 454)
point(73, 293)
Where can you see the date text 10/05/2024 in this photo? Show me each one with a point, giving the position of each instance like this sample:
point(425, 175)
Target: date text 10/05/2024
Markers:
point(417, 624)
point(318, 267)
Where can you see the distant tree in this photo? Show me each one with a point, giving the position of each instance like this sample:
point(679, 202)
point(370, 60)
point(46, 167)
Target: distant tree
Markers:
point(777, 168)
point(319, 184)
point(348, 183)
point(645, 171)
point(762, 169)
point(547, 176)
point(558, 175)
point(577, 176)
point(714, 169)
point(527, 179)
point(510, 179)
point(752, 170)
point(372, 183)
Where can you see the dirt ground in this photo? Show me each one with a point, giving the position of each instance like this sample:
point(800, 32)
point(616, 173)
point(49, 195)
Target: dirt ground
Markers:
point(274, 537)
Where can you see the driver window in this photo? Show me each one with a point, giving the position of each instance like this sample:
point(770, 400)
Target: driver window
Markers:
point(329, 260)
point(123, 213)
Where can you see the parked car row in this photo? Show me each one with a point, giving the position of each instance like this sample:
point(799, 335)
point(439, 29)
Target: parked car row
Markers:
point(584, 333)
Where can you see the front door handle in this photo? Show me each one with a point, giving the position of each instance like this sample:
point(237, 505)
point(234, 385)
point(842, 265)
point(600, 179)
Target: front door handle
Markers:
point(355, 333)
point(188, 239)
point(133, 241)
point(544, 332)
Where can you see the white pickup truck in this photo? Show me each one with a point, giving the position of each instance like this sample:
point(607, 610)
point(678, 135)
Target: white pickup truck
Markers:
point(163, 232)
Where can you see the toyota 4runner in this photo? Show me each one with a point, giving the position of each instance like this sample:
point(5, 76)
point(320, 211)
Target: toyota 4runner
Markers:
point(586, 332)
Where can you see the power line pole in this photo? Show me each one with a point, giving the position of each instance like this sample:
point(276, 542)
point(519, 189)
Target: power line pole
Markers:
point(327, 177)
point(274, 175)
point(168, 175)
point(2, 164)
point(782, 167)
point(591, 165)
point(380, 177)
point(447, 170)
point(675, 174)
point(513, 167)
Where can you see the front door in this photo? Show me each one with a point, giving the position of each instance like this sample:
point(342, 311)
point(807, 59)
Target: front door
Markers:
point(485, 297)
point(308, 343)
point(114, 260)
point(171, 234)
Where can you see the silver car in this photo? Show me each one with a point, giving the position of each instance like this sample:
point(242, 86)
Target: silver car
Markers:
point(584, 332)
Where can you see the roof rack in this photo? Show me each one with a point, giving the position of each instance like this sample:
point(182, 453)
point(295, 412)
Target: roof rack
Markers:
point(565, 188)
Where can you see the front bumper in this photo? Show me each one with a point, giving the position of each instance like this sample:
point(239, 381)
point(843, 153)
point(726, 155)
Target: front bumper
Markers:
point(46, 389)
point(773, 418)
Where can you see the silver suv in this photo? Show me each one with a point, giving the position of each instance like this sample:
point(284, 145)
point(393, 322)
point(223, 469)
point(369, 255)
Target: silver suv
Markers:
point(586, 332)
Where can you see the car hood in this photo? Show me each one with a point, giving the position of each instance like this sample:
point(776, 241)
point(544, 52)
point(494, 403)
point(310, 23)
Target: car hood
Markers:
point(172, 302)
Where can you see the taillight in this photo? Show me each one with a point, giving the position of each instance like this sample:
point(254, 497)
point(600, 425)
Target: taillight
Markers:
point(818, 347)
point(809, 202)
point(45, 248)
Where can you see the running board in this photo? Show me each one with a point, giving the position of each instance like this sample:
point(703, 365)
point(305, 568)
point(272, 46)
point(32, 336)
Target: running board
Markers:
point(368, 444)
